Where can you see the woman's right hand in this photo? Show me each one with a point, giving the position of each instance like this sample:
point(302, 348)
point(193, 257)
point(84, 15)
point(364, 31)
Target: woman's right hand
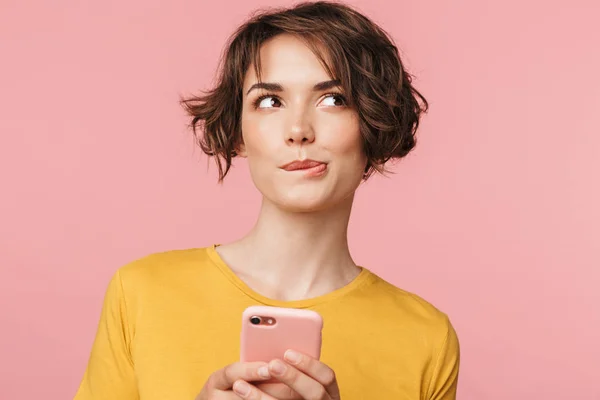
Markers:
point(219, 385)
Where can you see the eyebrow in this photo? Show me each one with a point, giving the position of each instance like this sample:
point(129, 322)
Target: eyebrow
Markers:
point(276, 87)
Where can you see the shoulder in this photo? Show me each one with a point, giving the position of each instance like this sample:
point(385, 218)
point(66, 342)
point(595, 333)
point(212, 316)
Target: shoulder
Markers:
point(407, 318)
point(402, 308)
point(421, 327)
point(162, 267)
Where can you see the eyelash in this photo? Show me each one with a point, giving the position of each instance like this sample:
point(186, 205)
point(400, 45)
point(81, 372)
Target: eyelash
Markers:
point(264, 96)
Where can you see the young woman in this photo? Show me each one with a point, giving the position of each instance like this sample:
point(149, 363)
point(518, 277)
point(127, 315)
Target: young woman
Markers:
point(317, 99)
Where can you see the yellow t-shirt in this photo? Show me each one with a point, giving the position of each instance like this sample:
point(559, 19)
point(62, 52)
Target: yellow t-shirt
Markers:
point(171, 319)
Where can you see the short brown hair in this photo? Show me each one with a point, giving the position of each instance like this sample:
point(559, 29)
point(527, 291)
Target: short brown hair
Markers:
point(363, 57)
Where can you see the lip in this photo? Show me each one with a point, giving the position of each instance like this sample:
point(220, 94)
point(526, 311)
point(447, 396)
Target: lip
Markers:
point(310, 168)
point(302, 165)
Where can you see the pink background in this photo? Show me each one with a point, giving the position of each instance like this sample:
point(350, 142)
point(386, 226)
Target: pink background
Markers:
point(503, 233)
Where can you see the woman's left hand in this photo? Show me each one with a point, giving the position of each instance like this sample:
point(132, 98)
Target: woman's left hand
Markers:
point(306, 377)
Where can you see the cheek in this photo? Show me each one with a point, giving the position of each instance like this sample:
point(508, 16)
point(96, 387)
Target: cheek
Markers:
point(349, 144)
point(345, 141)
point(259, 136)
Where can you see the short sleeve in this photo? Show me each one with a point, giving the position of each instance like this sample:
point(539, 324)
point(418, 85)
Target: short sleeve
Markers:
point(110, 373)
point(445, 375)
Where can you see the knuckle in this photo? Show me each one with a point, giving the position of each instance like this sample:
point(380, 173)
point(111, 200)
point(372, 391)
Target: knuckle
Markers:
point(319, 393)
point(232, 372)
point(210, 382)
point(289, 393)
point(295, 375)
point(328, 377)
point(227, 372)
point(291, 377)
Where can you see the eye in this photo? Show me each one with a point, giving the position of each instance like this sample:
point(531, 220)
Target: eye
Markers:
point(267, 101)
point(341, 100)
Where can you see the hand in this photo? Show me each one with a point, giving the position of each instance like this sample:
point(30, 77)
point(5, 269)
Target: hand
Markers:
point(304, 376)
point(219, 385)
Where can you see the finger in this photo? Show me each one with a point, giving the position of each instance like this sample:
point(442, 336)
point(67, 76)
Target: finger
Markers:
point(279, 390)
point(250, 392)
point(224, 395)
point(315, 369)
point(247, 371)
point(303, 384)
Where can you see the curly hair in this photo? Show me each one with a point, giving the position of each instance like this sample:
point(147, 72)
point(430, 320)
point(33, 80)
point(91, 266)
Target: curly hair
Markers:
point(361, 56)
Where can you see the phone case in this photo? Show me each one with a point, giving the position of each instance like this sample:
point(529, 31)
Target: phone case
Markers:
point(295, 329)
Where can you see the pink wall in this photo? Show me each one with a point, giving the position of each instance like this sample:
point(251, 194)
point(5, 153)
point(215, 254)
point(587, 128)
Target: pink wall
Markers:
point(503, 233)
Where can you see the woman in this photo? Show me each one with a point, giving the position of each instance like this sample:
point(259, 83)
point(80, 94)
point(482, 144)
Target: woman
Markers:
point(316, 98)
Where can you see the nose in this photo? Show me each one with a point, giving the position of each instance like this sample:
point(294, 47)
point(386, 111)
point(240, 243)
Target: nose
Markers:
point(300, 130)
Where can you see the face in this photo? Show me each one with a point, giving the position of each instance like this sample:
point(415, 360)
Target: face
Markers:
point(301, 140)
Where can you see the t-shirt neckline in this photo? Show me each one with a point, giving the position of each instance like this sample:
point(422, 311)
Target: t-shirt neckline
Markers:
point(363, 277)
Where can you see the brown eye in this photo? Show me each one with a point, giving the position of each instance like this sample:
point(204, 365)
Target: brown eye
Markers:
point(335, 100)
point(267, 102)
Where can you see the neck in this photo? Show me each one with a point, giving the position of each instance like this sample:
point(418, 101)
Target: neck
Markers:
point(305, 253)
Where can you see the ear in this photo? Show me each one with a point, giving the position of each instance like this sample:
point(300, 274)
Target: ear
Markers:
point(241, 150)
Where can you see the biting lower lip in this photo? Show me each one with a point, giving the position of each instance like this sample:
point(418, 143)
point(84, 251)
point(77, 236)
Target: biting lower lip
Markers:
point(313, 171)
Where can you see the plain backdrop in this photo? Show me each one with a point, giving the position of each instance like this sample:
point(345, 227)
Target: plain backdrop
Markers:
point(495, 217)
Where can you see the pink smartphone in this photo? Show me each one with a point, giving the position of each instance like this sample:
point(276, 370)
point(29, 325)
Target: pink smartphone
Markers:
point(267, 332)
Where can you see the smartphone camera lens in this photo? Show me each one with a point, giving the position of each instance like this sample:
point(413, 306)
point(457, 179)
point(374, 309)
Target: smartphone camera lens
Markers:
point(255, 320)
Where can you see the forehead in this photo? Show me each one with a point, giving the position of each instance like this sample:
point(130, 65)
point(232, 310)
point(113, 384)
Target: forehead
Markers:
point(288, 60)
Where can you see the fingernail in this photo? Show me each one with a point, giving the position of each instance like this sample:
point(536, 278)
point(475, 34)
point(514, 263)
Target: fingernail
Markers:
point(263, 372)
point(241, 388)
point(292, 357)
point(278, 367)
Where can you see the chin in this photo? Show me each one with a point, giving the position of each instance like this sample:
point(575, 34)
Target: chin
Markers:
point(306, 200)
point(308, 196)
point(302, 203)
